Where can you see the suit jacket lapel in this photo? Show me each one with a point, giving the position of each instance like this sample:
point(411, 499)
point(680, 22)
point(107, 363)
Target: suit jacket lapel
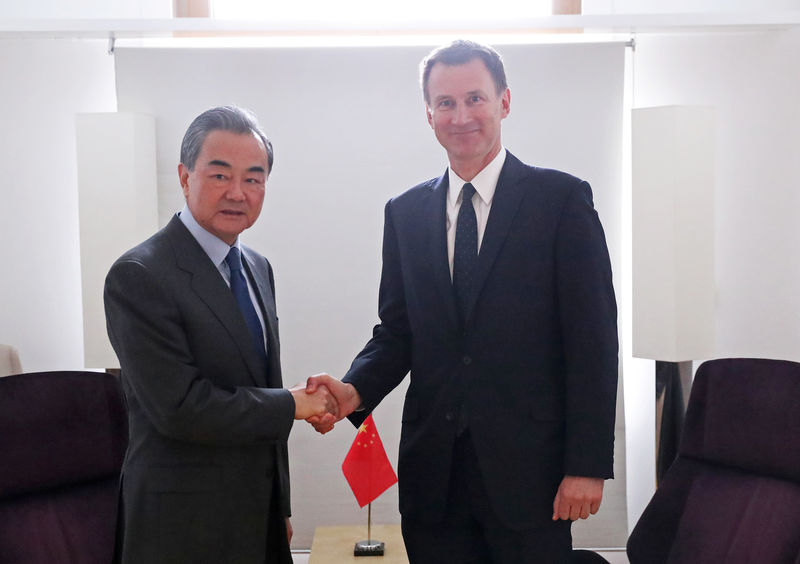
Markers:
point(258, 272)
point(507, 198)
point(210, 287)
point(436, 220)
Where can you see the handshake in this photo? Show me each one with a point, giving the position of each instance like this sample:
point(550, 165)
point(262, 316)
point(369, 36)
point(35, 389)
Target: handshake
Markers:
point(323, 401)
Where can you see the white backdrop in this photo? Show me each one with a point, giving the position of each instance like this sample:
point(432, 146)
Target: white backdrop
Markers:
point(349, 132)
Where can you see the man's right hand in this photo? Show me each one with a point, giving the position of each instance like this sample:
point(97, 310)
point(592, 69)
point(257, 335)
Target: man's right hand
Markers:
point(346, 395)
point(318, 404)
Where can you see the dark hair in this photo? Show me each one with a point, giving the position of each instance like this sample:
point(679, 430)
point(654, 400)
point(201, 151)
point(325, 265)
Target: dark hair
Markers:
point(460, 52)
point(224, 118)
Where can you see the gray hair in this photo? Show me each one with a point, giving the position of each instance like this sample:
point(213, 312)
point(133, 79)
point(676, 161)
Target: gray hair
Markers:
point(459, 52)
point(224, 118)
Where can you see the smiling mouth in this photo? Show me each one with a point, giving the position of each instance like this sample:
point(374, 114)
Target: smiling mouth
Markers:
point(232, 212)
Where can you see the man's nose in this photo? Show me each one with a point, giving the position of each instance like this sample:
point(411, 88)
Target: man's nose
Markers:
point(461, 114)
point(235, 190)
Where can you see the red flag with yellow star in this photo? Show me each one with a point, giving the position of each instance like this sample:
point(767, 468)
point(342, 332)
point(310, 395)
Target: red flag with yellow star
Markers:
point(366, 467)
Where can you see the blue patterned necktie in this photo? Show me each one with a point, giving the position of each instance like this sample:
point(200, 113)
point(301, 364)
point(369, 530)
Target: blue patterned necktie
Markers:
point(465, 254)
point(242, 295)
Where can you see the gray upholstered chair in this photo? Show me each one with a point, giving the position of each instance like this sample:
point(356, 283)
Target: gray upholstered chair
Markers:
point(733, 494)
point(63, 436)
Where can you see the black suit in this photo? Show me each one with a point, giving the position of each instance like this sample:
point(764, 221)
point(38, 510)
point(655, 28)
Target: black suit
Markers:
point(208, 420)
point(533, 368)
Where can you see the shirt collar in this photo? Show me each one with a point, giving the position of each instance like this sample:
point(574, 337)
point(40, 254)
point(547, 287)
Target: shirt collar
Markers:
point(485, 182)
point(215, 248)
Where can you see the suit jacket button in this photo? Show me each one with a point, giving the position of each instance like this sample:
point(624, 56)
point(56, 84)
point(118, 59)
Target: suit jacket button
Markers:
point(449, 416)
point(466, 360)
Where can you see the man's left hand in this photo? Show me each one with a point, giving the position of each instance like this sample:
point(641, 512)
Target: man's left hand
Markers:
point(289, 530)
point(577, 497)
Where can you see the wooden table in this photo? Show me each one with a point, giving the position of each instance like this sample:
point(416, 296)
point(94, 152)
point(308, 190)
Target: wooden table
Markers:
point(334, 545)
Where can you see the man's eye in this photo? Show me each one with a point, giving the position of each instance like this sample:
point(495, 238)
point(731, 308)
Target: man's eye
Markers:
point(445, 103)
point(218, 177)
point(475, 99)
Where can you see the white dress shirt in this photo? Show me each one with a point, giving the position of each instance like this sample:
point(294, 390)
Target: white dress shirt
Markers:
point(485, 183)
point(217, 250)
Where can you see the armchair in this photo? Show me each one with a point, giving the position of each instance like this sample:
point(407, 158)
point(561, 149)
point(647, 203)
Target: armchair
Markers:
point(63, 436)
point(733, 493)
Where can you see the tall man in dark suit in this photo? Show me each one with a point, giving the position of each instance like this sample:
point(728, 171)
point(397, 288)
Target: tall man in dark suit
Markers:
point(191, 316)
point(496, 294)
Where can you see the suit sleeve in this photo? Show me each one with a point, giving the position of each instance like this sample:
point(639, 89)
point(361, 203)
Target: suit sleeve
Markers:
point(147, 331)
point(588, 316)
point(386, 359)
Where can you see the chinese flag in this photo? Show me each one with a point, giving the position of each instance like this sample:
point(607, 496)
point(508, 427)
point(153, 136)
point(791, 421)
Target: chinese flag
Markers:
point(366, 467)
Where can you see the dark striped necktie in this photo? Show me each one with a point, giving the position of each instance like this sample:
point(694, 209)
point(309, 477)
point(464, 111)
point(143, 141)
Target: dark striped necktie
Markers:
point(465, 254)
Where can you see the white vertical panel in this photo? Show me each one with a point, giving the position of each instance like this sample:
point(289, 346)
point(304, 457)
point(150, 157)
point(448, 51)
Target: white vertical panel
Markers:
point(117, 209)
point(638, 376)
point(757, 122)
point(673, 233)
point(45, 83)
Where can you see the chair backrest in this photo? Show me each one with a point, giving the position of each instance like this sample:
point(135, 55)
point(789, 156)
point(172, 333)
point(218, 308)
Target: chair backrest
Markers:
point(63, 437)
point(733, 494)
point(9, 361)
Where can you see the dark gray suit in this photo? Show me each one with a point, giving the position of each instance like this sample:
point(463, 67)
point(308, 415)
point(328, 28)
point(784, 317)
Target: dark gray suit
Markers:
point(208, 420)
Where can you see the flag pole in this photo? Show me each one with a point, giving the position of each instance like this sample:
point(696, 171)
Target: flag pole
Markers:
point(369, 547)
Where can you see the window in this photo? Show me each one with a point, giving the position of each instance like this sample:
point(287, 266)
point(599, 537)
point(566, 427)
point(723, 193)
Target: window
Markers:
point(364, 12)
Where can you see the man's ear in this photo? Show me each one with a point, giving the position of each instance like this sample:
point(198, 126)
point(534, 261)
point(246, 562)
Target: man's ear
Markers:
point(429, 114)
point(183, 176)
point(505, 102)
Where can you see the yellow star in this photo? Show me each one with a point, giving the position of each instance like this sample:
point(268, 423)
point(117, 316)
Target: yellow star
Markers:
point(363, 428)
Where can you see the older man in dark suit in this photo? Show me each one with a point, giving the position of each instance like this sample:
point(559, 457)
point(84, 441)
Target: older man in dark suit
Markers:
point(191, 316)
point(496, 294)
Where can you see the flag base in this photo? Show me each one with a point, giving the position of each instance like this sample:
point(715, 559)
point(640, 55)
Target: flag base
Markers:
point(368, 548)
